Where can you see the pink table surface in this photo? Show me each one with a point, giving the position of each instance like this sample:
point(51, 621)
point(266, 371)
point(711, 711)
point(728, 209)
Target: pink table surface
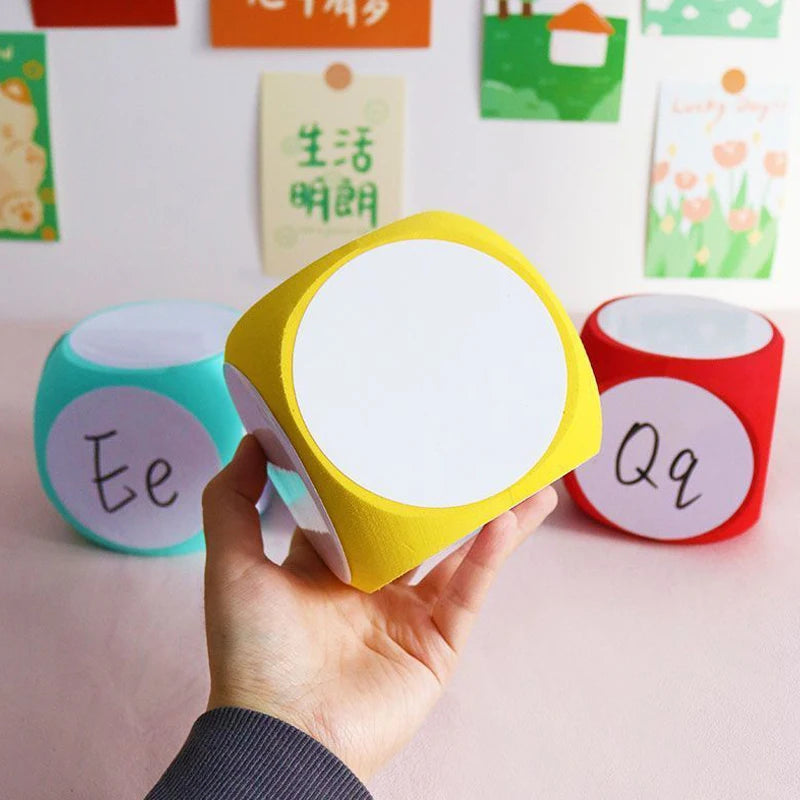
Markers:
point(602, 666)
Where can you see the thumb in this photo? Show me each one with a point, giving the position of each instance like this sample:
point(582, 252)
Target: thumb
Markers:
point(231, 522)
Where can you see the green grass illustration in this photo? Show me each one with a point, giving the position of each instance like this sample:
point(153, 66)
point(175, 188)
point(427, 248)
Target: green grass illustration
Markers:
point(520, 82)
point(711, 248)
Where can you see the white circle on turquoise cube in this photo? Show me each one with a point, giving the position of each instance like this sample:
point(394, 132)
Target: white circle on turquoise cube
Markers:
point(149, 459)
point(133, 418)
point(153, 335)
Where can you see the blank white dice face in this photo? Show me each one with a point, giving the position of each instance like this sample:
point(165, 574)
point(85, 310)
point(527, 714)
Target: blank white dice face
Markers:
point(130, 465)
point(429, 373)
point(681, 326)
point(676, 461)
point(153, 335)
point(287, 473)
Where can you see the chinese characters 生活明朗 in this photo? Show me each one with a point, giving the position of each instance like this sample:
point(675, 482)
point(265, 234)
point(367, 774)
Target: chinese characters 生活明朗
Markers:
point(339, 198)
point(365, 12)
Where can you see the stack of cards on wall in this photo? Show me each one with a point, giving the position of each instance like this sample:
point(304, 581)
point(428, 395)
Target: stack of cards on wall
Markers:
point(689, 388)
point(320, 23)
point(103, 13)
point(749, 18)
point(409, 387)
point(553, 59)
point(331, 162)
point(718, 179)
point(27, 194)
point(132, 419)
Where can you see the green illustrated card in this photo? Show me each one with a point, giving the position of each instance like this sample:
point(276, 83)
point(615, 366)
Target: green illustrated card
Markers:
point(553, 59)
point(750, 18)
point(27, 195)
point(718, 181)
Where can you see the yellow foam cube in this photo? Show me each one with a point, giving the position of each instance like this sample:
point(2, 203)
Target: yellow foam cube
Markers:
point(409, 387)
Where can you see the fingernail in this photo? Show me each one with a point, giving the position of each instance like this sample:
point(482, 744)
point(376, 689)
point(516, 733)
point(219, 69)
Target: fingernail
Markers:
point(242, 445)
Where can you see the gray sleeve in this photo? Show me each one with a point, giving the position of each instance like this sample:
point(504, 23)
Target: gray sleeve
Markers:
point(237, 754)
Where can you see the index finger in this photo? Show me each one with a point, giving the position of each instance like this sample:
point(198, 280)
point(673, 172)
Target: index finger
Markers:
point(231, 522)
point(476, 566)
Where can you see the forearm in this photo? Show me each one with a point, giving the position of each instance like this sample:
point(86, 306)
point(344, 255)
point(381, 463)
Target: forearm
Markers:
point(237, 754)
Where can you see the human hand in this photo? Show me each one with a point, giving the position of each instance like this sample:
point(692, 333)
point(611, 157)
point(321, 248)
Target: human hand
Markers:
point(357, 672)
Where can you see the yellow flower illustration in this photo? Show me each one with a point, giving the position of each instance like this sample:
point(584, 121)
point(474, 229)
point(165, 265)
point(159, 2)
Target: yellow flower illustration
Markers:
point(757, 137)
point(755, 237)
point(48, 233)
point(703, 256)
point(711, 179)
point(33, 69)
point(668, 224)
point(672, 150)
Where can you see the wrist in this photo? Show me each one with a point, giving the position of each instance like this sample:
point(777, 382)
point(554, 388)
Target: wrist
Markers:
point(254, 702)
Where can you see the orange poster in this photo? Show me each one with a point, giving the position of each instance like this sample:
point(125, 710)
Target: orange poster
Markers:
point(320, 23)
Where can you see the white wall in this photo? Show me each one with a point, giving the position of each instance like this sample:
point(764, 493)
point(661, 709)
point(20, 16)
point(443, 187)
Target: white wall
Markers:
point(156, 162)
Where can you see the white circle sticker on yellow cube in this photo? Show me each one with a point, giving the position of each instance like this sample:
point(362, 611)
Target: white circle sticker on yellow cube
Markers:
point(422, 343)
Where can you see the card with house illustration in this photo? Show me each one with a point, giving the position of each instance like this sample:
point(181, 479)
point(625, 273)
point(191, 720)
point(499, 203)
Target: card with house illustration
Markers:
point(746, 18)
point(320, 23)
point(103, 13)
point(718, 181)
point(553, 59)
point(27, 196)
point(331, 162)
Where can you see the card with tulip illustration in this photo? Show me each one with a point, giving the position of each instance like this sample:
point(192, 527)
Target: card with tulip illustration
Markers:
point(718, 182)
point(27, 197)
point(743, 18)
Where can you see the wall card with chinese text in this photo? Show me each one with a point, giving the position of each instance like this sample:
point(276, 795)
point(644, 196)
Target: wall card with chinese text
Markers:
point(331, 164)
point(320, 23)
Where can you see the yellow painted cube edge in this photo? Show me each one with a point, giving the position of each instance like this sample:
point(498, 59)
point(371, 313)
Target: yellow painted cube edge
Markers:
point(261, 347)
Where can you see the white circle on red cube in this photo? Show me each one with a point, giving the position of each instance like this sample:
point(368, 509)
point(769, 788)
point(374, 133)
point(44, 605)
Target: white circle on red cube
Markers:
point(676, 462)
point(153, 335)
point(130, 465)
point(429, 373)
point(682, 326)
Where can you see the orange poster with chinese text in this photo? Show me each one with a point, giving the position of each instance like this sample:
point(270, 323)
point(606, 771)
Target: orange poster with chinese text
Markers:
point(320, 23)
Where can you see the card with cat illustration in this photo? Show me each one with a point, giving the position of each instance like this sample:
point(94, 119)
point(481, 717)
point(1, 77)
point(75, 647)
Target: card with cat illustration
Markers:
point(27, 195)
